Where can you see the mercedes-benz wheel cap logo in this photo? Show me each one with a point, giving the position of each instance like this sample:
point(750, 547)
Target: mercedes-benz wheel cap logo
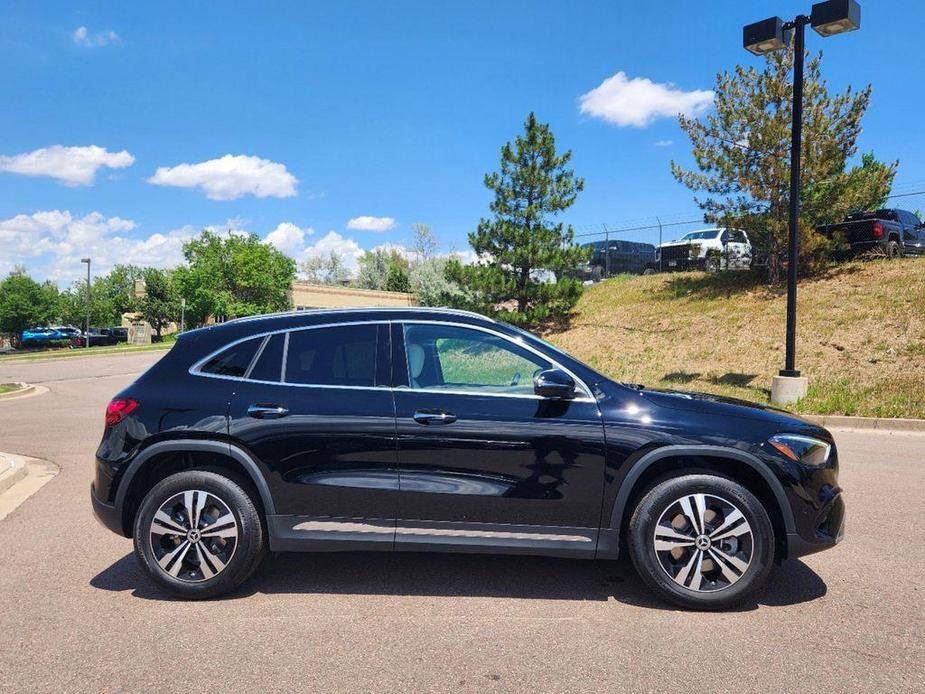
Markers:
point(193, 535)
point(702, 542)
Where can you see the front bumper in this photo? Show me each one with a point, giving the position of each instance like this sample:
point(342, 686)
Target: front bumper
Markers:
point(829, 529)
point(107, 514)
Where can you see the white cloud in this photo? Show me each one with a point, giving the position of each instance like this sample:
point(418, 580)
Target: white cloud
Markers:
point(73, 166)
point(82, 37)
point(664, 143)
point(230, 177)
point(367, 223)
point(51, 243)
point(637, 102)
point(288, 238)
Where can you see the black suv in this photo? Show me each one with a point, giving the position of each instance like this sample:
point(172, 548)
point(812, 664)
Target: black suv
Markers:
point(415, 429)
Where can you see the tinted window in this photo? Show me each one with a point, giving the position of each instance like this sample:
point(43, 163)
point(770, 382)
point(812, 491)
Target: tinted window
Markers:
point(269, 365)
point(444, 356)
point(736, 236)
point(337, 356)
point(234, 360)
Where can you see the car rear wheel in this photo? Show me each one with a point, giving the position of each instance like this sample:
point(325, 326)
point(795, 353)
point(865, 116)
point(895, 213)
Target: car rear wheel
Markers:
point(893, 250)
point(701, 541)
point(198, 534)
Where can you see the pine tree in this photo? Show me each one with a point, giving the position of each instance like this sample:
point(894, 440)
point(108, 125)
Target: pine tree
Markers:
point(520, 246)
point(742, 155)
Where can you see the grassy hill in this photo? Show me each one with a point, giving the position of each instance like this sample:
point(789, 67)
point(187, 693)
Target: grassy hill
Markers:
point(860, 335)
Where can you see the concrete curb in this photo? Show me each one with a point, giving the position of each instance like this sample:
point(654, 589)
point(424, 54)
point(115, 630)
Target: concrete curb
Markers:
point(11, 471)
point(32, 475)
point(867, 423)
point(24, 389)
point(28, 392)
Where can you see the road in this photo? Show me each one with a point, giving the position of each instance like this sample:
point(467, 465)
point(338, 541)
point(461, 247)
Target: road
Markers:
point(76, 613)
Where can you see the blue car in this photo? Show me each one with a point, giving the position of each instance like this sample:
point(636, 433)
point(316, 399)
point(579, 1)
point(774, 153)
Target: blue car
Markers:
point(41, 336)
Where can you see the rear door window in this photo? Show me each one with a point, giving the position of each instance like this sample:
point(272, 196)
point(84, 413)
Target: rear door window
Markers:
point(269, 364)
point(343, 355)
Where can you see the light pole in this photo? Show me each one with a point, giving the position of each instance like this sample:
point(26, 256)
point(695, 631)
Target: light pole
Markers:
point(773, 34)
point(87, 334)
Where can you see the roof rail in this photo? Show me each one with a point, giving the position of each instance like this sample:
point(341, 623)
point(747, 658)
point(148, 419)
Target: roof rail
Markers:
point(360, 309)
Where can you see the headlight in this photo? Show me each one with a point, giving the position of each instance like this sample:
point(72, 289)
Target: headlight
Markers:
point(802, 449)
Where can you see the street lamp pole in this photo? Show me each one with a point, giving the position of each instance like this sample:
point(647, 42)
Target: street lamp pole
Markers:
point(773, 34)
point(796, 137)
point(87, 334)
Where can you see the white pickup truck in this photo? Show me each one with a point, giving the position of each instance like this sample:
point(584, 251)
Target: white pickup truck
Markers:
point(707, 249)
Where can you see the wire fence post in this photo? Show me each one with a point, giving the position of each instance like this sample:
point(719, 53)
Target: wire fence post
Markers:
point(606, 251)
point(659, 249)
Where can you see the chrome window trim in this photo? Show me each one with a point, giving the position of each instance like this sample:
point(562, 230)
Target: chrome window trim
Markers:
point(194, 370)
point(247, 374)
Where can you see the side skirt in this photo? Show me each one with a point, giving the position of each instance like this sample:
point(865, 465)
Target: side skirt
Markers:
point(308, 534)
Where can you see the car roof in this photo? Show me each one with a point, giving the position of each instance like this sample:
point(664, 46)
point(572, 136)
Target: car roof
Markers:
point(269, 322)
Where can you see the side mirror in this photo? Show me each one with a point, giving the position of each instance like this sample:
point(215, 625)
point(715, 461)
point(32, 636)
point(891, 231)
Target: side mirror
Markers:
point(553, 383)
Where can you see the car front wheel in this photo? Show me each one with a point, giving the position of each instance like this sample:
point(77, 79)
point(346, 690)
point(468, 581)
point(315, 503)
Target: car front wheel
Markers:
point(701, 541)
point(198, 534)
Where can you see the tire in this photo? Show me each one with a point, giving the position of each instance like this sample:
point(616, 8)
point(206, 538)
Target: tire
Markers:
point(892, 250)
point(230, 552)
point(711, 265)
point(699, 574)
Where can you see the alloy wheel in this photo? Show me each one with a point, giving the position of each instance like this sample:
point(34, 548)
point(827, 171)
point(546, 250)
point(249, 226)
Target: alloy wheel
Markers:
point(193, 535)
point(703, 542)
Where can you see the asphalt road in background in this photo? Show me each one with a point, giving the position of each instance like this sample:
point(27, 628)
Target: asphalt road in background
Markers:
point(77, 614)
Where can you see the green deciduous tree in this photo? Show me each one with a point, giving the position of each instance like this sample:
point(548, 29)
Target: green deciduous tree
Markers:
point(325, 269)
point(231, 275)
point(383, 269)
point(24, 303)
point(521, 243)
point(741, 152)
point(160, 305)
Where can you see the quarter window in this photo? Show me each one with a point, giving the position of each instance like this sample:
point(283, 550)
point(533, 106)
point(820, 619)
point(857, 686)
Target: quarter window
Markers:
point(336, 356)
point(233, 361)
point(453, 358)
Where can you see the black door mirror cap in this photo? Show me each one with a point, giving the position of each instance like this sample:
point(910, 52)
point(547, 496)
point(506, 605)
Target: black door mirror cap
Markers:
point(554, 384)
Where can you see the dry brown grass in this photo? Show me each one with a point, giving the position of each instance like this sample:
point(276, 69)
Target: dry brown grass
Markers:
point(861, 335)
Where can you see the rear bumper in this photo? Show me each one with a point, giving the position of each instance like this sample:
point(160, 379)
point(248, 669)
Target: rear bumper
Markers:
point(109, 515)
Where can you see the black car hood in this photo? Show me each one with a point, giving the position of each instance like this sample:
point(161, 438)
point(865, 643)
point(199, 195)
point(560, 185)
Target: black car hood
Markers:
point(707, 403)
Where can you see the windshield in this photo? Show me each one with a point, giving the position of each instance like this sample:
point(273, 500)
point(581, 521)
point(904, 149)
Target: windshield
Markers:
point(694, 235)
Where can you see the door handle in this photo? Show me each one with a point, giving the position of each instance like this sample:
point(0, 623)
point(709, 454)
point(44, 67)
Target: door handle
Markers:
point(434, 417)
point(267, 411)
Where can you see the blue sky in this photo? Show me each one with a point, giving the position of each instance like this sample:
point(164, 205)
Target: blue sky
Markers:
point(291, 119)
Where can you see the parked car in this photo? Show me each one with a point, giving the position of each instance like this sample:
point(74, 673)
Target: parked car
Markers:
point(415, 429)
point(67, 332)
point(894, 233)
point(41, 336)
point(97, 337)
point(708, 249)
point(610, 258)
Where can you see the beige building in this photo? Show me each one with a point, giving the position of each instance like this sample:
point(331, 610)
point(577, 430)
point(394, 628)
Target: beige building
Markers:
point(304, 295)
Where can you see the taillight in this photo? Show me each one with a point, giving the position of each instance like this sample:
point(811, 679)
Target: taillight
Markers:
point(118, 410)
point(878, 230)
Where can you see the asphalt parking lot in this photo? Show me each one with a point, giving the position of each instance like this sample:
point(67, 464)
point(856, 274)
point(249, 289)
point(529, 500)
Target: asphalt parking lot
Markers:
point(76, 613)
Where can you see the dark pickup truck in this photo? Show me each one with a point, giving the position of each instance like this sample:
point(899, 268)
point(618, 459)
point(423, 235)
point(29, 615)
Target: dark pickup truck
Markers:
point(101, 337)
point(894, 233)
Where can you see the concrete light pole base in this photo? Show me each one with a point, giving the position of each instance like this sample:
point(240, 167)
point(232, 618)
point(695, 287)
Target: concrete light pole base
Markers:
point(786, 390)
